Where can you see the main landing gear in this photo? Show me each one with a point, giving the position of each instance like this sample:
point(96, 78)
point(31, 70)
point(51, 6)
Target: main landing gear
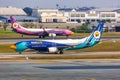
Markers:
point(59, 52)
point(41, 36)
point(20, 52)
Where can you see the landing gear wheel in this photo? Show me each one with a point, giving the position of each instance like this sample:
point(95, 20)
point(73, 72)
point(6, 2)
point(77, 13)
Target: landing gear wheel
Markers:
point(61, 52)
point(20, 52)
point(39, 36)
point(43, 36)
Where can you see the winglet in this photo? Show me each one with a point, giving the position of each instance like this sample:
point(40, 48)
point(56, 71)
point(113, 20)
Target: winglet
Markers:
point(12, 19)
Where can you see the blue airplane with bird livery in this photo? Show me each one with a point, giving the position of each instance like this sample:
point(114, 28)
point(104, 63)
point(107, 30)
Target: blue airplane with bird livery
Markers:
point(58, 46)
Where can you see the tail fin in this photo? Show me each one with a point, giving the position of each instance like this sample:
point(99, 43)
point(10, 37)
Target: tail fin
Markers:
point(91, 40)
point(95, 37)
point(15, 25)
point(12, 19)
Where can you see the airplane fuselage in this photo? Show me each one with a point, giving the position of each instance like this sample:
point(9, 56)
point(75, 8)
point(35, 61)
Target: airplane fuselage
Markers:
point(38, 32)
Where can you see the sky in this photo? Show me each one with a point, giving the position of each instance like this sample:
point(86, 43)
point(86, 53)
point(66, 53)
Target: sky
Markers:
point(62, 3)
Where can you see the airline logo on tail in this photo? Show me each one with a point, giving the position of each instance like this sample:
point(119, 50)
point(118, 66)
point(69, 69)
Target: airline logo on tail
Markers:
point(15, 25)
point(97, 34)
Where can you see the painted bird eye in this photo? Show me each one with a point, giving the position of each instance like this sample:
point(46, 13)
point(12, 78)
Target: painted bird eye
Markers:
point(15, 25)
point(97, 34)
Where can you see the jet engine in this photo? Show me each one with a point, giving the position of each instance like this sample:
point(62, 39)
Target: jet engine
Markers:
point(52, 49)
point(52, 35)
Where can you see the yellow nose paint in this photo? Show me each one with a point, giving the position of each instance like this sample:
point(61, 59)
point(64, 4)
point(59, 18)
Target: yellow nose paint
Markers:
point(13, 47)
point(72, 33)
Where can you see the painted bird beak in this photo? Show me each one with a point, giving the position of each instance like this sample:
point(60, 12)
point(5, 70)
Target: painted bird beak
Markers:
point(72, 33)
point(13, 47)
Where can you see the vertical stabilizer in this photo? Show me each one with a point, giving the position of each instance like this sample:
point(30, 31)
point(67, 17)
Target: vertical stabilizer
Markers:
point(95, 37)
point(12, 19)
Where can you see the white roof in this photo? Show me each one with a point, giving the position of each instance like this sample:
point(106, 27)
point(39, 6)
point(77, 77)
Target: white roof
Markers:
point(6, 11)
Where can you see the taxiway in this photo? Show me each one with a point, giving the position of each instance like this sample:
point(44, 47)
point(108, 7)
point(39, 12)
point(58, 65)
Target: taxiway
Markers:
point(90, 69)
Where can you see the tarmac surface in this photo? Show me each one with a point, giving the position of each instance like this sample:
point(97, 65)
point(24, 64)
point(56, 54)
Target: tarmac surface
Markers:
point(59, 69)
point(27, 55)
point(88, 69)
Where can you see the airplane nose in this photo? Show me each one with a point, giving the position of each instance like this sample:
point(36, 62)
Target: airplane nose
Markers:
point(72, 33)
point(13, 47)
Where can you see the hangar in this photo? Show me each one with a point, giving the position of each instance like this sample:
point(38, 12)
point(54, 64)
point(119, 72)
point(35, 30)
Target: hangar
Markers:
point(18, 13)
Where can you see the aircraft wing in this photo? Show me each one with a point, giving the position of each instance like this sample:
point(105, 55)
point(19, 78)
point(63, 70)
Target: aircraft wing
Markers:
point(64, 47)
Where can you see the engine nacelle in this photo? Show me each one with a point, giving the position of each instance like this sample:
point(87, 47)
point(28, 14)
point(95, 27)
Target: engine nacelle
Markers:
point(52, 49)
point(52, 34)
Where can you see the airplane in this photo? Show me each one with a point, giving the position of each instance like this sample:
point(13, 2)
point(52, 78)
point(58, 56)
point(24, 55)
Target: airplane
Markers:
point(42, 33)
point(59, 45)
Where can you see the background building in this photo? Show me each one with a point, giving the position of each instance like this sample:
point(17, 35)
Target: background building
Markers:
point(18, 13)
point(49, 15)
point(77, 15)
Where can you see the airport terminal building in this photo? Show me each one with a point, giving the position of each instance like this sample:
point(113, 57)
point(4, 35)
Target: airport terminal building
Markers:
point(110, 15)
point(77, 15)
point(49, 15)
point(61, 15)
